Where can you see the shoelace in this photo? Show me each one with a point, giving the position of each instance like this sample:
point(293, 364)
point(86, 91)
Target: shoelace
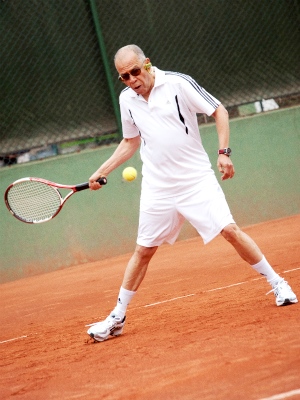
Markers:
point(282, 281)
point(93, 324)
point(108, 319)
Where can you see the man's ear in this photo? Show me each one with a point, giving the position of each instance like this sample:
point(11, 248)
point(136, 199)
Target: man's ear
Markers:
point(148, 66)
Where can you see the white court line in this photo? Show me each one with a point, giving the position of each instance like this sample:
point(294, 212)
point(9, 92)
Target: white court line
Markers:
point(16, 338)
point(290, 270)
point(166, 301)
point(224, 287)
point(282, 395)
point(212, 290)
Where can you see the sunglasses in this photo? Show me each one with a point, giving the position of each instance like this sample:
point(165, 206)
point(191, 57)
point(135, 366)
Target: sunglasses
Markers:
point(134, 72)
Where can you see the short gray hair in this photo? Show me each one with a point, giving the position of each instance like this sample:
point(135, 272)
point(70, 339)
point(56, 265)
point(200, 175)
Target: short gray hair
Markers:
point(130, 47)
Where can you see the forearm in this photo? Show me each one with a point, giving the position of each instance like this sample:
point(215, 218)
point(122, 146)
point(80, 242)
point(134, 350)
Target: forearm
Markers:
point(123, 152)
point(222, 126)
point(224, 162)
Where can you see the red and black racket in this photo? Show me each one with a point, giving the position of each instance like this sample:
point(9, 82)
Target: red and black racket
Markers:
point(35, 200)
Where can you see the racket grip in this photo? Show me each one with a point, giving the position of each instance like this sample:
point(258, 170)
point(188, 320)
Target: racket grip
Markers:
point(102, 181)
point(83, 186)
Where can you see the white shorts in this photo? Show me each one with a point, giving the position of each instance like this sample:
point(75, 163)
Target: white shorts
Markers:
point(161, 219)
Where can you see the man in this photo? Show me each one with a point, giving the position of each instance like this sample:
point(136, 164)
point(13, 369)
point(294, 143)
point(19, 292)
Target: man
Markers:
point(158, 111)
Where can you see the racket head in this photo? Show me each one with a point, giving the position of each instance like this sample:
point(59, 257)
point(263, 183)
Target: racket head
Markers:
point(33, 200)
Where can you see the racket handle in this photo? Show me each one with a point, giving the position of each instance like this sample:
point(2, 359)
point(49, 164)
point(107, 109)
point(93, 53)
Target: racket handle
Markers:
point(83, 186)
point(102, 181)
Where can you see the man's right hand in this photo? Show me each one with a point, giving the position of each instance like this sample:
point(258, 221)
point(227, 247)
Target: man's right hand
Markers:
point(94, 185)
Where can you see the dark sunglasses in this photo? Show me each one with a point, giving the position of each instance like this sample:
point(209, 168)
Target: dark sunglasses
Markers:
point(134, 72)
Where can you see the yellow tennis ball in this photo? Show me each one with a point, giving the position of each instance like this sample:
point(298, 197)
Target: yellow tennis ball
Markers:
point(129, 174)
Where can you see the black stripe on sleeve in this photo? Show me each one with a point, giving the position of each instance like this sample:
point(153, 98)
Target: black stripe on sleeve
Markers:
point(199, 89)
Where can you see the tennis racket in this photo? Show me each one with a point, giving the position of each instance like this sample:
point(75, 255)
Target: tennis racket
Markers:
point(36, 200)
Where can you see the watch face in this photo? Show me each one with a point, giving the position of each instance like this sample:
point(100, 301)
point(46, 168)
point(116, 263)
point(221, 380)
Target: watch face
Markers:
point(225, 151)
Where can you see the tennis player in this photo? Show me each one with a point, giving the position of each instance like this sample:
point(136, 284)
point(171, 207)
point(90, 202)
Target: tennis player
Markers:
point(158, 111)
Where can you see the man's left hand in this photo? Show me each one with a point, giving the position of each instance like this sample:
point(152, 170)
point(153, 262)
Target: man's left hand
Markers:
point(225, 166)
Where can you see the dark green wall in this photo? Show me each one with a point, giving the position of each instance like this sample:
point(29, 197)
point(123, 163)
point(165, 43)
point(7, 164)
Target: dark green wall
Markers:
point(96, 225)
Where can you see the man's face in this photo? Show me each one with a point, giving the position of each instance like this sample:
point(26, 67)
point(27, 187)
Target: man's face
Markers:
point(142, 83)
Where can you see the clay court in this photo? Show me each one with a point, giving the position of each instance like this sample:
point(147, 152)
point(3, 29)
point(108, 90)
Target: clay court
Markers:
point(200, 327)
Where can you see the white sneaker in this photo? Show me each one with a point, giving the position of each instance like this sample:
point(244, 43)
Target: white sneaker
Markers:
point(283, 293)
point(112, 325)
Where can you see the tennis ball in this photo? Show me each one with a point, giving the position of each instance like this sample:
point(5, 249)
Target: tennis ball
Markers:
point(129, 174)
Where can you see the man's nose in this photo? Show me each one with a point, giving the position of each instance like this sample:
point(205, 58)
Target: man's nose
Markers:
point(132, 78)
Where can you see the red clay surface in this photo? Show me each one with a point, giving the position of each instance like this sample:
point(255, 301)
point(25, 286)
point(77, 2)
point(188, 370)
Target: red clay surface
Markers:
point(200, 327)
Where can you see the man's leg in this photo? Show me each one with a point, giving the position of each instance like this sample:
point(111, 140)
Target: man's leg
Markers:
point(244, 245)
point(137, 267)
point(134, 274)
point(250, 252)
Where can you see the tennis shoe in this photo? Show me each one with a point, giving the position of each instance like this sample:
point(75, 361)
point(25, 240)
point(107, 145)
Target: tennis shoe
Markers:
point(111, 326)
point(283, 293)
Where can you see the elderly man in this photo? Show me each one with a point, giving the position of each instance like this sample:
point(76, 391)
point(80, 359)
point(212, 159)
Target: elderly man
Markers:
point(158, 111)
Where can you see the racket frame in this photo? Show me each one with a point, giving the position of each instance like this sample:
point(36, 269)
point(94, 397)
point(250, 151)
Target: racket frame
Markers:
point(55, 186)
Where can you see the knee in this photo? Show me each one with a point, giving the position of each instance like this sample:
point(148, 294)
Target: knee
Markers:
point(144, 253)
point(231, 233)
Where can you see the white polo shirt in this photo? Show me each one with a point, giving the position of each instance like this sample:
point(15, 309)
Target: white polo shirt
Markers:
point(174, 160)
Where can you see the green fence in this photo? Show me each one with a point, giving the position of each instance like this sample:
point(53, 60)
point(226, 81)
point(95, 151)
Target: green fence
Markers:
point(57, 79)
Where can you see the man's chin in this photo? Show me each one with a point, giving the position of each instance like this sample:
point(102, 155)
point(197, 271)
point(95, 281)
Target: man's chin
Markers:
point(138, 90)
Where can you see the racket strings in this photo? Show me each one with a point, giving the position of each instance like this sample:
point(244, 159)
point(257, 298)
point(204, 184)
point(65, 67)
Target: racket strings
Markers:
point(34, 201)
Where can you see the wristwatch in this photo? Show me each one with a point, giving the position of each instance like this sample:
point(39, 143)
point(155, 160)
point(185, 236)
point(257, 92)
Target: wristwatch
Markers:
point(226, 151)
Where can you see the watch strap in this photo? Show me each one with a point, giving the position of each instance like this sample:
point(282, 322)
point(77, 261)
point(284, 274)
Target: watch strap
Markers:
point(226, 151)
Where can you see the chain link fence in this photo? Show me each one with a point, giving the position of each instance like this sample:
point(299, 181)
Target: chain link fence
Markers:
point(59, 88)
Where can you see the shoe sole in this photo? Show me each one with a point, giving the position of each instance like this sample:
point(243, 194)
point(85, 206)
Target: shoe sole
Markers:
point(287, 302)
point(115, 332)
point(98, 339)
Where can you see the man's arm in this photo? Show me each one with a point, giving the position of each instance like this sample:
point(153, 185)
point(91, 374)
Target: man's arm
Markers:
point(123, 152)
point(224, 163)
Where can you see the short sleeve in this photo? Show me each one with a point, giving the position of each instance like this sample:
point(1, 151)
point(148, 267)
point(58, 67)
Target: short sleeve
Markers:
point(129, 128)
point(197, 98)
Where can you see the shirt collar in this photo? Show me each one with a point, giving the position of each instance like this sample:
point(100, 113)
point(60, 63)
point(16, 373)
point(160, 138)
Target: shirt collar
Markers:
point(160, 77)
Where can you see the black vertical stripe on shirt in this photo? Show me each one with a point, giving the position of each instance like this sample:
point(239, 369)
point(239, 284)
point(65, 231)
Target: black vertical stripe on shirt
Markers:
point(181, 116)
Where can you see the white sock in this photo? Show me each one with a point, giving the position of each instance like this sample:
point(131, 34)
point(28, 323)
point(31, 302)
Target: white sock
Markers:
point(265, 269)
point(124, 299)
